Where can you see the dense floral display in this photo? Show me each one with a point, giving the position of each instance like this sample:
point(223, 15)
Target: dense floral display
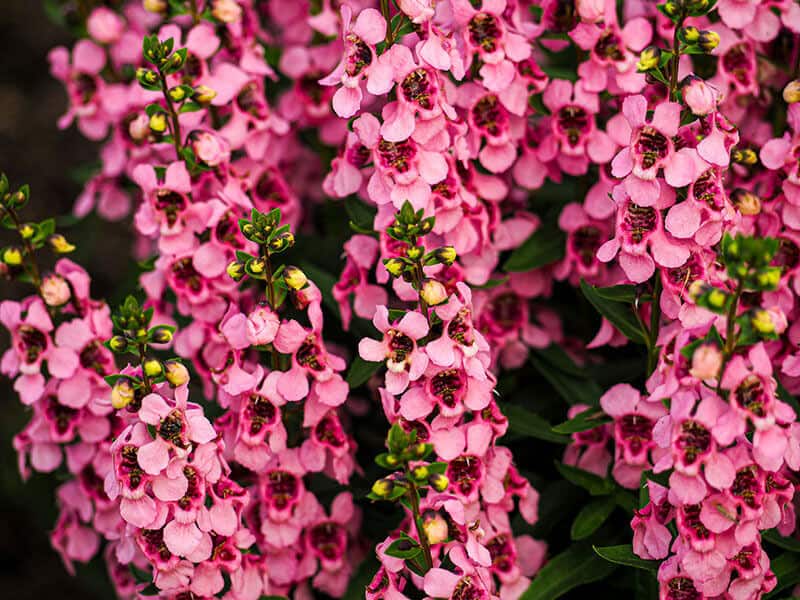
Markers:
point(571, 224)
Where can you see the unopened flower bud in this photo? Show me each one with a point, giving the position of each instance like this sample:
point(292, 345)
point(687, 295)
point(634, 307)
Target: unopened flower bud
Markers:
point(438, 482)
point(699, 96)
point(139, 128)
point(762, 322)
point(708, 40)
point(176, 373)
point(161, 335)
point(12, 256)
point(118, 343)
point(435, 528)
point(696, 289)
point(177, 94)
point(27, 231)
point(744, 156)
point(648, 59)
point(419, 449)
point(717, 298)
point(235, 270)
point(59, 244)
point(257, 266)
point(383, 487)
point(158, 123)
point(156, 6)
point(433, 292)
point(282, 242)
point(146, 76)
point(791, 93)
point(294, 278)
point(690, 34)
point(672, 8)
point(421, 472)
point(176, 60)
point(395, 266)
point(152, 367)
point(226, 11)
point(445, 255)
point(122, 394)
point(392, 460)
point(706, 362)
point(55, 290)
point(204, 94)
point(414, 252)
point(747, 202)
point(769, 279)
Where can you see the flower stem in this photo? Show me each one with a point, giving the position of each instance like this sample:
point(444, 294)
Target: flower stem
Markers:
point(194, 12)
point(730, 332)
point(173, 114)
point(675, 62)
point(655, 325)
point(31, 267)
point(148, 385)
point(388, 17)
point(274, 358)
point(413, 497)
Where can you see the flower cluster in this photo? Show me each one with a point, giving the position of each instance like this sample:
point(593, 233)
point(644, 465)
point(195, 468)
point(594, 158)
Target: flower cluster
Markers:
point(494, 158)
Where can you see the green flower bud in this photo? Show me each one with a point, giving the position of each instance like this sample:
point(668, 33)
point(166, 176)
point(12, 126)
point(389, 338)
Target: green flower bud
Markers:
point(118, 343)
point(295, 278)
point(791, 93)
point(421, 472)
point(122, 394)
point(762, 322)
point(717, 298)
point(690, 34)
point(204, 94)
point(12, 256)
point(177, 94)
point(445, 255)
point(438, 482)
point(383, 487)
point(59, 244)
point(176, 373)
point(649, 59)
point(158, 123)
point(395, 266)
point(152, 367)
point(27, 231)
point(708, 40)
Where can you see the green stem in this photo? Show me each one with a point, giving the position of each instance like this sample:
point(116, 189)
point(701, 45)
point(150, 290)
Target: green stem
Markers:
point(655, 325)
point(413, 497)
point(274, 358)
point(730, 332)
point(674, 63)
point(388, 17)
point(419, 276)
point(193, 10)
point(148, 385)
point(30, 261)
point(176, 126)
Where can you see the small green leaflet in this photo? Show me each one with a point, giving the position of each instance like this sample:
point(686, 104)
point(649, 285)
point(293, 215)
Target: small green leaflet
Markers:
point(529, 424)
point(618, 313)
point(546, 245)
point(360, 372)
point(623, 555)
point(588, 419)
point(577, 565)
point(592, 516)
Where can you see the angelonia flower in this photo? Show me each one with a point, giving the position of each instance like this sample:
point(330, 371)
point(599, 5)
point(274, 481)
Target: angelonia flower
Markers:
point(492, 174)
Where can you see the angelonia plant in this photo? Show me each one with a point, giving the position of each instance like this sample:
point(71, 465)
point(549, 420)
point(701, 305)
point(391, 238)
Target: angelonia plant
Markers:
point(450, 299)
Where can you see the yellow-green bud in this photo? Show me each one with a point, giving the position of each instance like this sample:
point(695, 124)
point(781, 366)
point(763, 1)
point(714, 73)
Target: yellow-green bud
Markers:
point(708, 40)
point(383, 487)
point(672, 8)
point(282, 242)
point(147, 75)
point(419, 449)
point(122, 394)
point(717, 298)
point(59, 244)
point(177, 94)
point(414, 253)
point(235, 270)
point(762, 322)
point(161, 335)
point(12, 256)
point(696, 289)
point(791, 93)
point(257, 266)
point(769, 279)
point(395, 266)
point(204, 94)
point(433, 292)
point(649, 59)
point(158, 122)
point(27, 231)
point(176, 373)
point(690, 34)
point(118, 343)
point(446, 255)
point(392, 460)
point(176, 60)
point(295, 278)
point(744, 156)
point(420, 472)
point(438, 482)
point(152, 367)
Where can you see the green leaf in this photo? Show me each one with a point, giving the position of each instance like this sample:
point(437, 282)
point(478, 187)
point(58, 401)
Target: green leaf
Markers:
point(405, 547)
point(573, 386)
point(360, 372)
point(620, 315)
point(787, 543)
point(575, 566)
point(528, 424)
point(360, 213)
point(596, 486)
point(787, 569)
point(623, 555)
point(618, 293)
point(592, 516)
point(588, 419)
point(546, 245)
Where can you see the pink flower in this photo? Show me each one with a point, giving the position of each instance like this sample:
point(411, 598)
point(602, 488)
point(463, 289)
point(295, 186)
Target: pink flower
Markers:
point(650, 148)
point(104, 25)
point(405, 361)
point(357, 62)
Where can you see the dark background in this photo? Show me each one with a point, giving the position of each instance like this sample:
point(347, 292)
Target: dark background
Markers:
point(34, 151)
